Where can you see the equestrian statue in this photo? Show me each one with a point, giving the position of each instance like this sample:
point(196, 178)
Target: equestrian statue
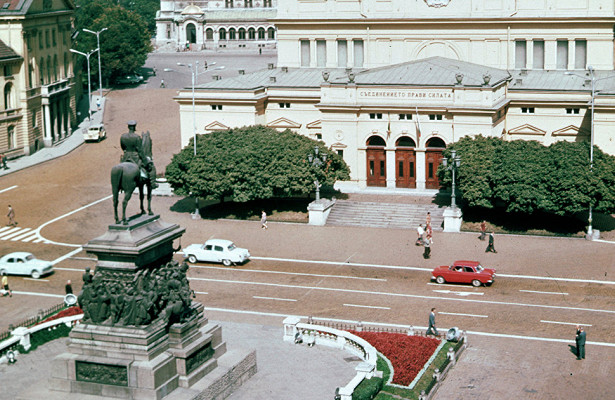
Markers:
point(136, 169)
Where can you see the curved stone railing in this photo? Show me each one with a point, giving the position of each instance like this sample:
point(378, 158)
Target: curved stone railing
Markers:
point(311, 334)
point(22, 334)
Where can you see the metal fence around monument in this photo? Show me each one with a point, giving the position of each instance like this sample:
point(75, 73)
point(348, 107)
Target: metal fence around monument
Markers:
point(42, 314)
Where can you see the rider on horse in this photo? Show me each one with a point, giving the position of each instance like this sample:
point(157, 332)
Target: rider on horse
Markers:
point(131, 144)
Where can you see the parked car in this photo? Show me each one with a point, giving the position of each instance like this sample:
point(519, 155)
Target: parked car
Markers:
point(130, 79)
point(216, 250)
point(94, 132)
point(464, 272)
point(22, 263)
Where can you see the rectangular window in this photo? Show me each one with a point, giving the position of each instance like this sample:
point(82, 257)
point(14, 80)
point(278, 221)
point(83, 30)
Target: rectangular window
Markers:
point(401, 169)
point(319, 136)
point(562, 54)
point(405, 116)
point(40, 39)
point(340, 153)
point(520, 54)
point(53, 37)
point(8, 70)
point(430, 172)
point(358, 53)
point(342, 53)
point(539, 54)
point(228, 3)
point(382, 171)
point(216, 107)
point(435, 117)
point(47, 43)
point(248, 4)
point(284, 105)
point(371, 167)
point(580, 54)
point(527, 110)
point(573, 111)
point(411, 169)
point(375, 116)
point(321, 53)
point(267, 3)
point(305, 53)
point(34, 119)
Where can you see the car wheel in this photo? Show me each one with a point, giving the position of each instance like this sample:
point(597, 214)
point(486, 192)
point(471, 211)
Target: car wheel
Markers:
point(476, 283)
point(227, 263)
point(35, 274)
point(440, 279)
point(192, 259)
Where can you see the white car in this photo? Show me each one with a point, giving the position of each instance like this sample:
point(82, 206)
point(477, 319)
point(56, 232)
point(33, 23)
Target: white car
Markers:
point(94, 133)
point(216, 250)
point(22, 263)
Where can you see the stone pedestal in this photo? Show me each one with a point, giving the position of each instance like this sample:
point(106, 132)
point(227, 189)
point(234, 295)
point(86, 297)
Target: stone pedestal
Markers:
point(452, 219)
point(319, 210)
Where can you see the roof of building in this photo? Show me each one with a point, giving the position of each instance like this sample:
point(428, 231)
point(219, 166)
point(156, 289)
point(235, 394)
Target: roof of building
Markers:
point(7, 53)
point(559, 80)
point(234, 14)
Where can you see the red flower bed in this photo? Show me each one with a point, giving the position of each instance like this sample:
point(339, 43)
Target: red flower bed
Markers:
point(407, 354)
point(68, 312)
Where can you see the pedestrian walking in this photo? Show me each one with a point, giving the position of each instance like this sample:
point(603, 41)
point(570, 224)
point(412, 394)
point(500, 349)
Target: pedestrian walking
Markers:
point(580, 342)
point(260, 51)
point(68, 288)
point(490, 246)
point(431, 330)
point(98, 103)
point(428, 233)
point(5, 285)
point(3, 161)
point(427, 251)
point(483, 230)
point(264, 220)
point(419, 232)
point(428, 219)
point(11, 216)
point(162, 85)
point(154, 71)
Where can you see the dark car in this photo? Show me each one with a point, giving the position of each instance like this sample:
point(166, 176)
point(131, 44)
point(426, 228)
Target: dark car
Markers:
point(130, 79)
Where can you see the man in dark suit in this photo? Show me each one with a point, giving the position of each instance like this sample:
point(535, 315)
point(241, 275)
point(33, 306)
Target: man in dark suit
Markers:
point(580, 341)
point(432, 323)
point(491, 247)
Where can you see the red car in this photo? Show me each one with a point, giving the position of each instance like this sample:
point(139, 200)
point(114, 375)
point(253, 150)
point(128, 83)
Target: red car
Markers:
point(464, 272)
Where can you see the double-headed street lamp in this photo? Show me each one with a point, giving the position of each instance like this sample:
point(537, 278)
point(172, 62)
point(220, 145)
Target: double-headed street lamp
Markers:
point(98, 44)
point(455, 162)
point(87, 56)
point(317, 160)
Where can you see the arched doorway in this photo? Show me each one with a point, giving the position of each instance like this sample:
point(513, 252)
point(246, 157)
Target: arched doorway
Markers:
point(191, 33)
point(405, 163)
point(376, 162)
point(433, 158)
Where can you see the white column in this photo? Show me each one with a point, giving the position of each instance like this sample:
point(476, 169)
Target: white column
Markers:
point(390, 157)
point(362, 167)
point(420, 169)
point(47, 137)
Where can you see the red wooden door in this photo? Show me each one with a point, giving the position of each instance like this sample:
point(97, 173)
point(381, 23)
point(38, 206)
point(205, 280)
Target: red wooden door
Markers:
point(376, 167)
point(433, 159)
point(405, 168)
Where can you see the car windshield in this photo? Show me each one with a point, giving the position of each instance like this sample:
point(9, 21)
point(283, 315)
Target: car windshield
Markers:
point(479, 268)
point(29, 257)
point(232, 247)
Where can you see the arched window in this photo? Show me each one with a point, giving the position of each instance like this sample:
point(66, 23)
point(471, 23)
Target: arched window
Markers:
point(209, 34)
point(405, 141)
point(55, 68)
point(232, 34)
point(9, 100)
point(49, 66)
point(11, 137)
point(436, 142)
point(31, 73)
point(251, 34)
point(261, 33)
point(271, 33)
point(376, 141)
point(41, 71)
point(222, 34)
point(242, 34)
point(66, 71)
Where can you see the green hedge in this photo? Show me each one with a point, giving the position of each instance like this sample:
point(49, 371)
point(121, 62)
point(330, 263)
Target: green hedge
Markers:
point(44, 336)
point(367, 389)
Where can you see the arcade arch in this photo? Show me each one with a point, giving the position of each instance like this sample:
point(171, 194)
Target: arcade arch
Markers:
point(433, 158)
point(405, 163)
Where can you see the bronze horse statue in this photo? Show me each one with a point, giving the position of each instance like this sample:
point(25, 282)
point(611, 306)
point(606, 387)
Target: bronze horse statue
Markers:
point(127, 176)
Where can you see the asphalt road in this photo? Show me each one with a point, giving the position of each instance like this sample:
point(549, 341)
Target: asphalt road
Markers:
point(544, 285)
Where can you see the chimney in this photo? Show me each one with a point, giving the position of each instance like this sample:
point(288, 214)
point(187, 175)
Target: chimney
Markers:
point(242, 72)
point(216, 77)
point(272, 79)
point(284, 69)
point(518, 81)
point(270, 66)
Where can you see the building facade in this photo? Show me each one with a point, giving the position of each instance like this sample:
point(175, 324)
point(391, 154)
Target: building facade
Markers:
point(216, 25)
point(38, 107)
point(389, 84)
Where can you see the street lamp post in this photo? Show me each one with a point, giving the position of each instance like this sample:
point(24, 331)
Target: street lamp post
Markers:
point(455, 162)
point(87, 56)
point(317, 160)
point(99, 70)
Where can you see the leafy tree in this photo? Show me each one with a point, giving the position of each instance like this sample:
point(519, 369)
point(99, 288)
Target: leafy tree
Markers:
point(525, 176)
point(124, 45)
point(250, 163)
point(146, 9)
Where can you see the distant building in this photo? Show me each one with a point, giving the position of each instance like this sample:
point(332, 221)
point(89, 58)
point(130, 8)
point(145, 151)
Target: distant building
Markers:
point(36, 75)
point(388, 84)
point(216, 25)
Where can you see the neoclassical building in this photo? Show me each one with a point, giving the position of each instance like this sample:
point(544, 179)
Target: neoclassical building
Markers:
point(38, 103)
point(206, 24)
point(388, 84)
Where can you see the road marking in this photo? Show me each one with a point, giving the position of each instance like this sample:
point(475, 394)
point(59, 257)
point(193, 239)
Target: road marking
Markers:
point(10, 232)
point(459, 293)
point(563, 323)
point(463, 315)
point(290, 273)
point(545, 278)
point(39, 294)
point(536, 291)
point(450, 285)
point(8, 188)
point(68, 269)
point(36, 280)
point(358, 305)
point(399, 326)
point(65, 256)
point(201, 292)
point(405, 295)
point(272, 298)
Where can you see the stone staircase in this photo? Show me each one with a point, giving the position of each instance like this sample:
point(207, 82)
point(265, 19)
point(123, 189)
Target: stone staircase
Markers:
point(384, 215)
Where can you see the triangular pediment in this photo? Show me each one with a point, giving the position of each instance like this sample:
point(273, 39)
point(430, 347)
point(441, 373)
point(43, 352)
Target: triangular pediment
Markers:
point(571, 130)
point(526, 129)
point(216, 126)
point(314, 124)
point(284, 123)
